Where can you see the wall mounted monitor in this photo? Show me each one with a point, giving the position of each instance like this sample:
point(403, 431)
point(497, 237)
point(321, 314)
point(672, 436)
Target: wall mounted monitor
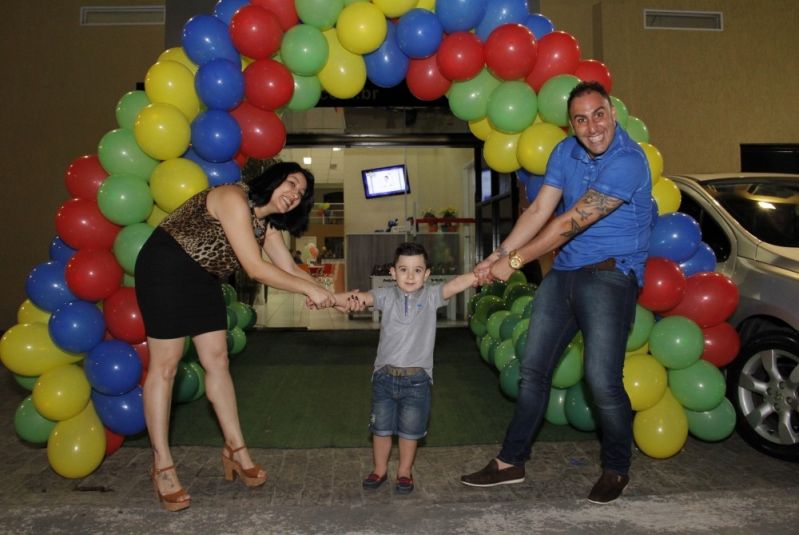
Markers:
point(385, 181)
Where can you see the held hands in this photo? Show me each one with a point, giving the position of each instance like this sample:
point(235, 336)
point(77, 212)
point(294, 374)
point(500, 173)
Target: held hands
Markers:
point(483, 270)
point(319, 298)
point(352, 303)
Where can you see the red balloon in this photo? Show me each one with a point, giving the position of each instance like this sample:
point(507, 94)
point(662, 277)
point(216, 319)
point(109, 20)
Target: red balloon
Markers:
point(424, 79)
point(511, 51)
point(113, 441)
point(84, 176)
point(460, 56)
point(709, 299)
point(262, 132)
point(558, 53)
point(592, 70)
point(284, 10)
point(241, 159)
point(722, 344)
point(664, 284)
point(81, 225)
point(93, 274)
point(256, 32)
point(123, 317)
point(268, 84)
point(143, 351)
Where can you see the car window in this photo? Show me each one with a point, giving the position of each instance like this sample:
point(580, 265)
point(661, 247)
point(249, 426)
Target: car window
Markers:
point(712, 233)
point(768, 211)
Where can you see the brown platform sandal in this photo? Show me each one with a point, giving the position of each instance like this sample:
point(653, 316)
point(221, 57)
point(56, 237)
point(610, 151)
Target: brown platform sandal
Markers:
point(171, 502)
point(251, 477)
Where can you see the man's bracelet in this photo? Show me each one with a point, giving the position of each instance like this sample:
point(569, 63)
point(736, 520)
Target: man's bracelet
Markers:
point(501, 251)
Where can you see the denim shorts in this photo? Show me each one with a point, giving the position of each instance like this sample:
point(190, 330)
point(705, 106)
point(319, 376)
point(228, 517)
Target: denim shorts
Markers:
point(400, 405)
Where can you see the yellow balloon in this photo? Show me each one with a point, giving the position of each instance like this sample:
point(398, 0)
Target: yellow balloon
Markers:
point(395, 8)
point(429, 5)
point(156, 216)
point(162, 131)
point(61, 393)
point(536, 144)
point(643, 350)
point(344, 73)
point(645, 380)
point(27, 349)
point(174, 181)
point(667, 195)
point(499, 152)
point(76, 446)
point(30, 313)
point(655, 160)
point(361, 28)
point(481, 128)
point(178, 55)
point(170, 82)
point(661, 431)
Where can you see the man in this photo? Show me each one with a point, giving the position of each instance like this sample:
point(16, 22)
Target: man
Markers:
point(601, 179)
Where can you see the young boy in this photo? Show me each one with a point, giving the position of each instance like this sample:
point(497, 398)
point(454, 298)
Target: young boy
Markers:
point(403, 369)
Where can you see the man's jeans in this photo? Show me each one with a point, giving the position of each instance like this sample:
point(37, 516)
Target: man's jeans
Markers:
point(601, 304)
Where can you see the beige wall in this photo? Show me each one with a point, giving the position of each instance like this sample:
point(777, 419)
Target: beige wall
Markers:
point(700, 93)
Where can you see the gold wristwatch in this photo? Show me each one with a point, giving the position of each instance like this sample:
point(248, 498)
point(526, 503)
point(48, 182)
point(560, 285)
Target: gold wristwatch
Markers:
point(515, 260)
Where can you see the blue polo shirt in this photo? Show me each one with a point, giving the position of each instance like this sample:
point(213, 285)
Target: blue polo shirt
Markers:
point(621, 172)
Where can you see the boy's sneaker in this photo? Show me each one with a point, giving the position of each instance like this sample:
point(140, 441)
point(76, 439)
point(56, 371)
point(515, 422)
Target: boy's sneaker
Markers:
point(491, 476)
point(404, 485)
point(373, 481)
point(608, 487)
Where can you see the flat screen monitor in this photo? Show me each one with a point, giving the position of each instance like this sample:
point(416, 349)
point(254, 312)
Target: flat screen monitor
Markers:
point(384, 181)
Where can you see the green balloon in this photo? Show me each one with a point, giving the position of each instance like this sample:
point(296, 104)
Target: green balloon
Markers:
point(569, 370)
point(512, 107)
point(520, 304)
point(237, 340)
point(189, 351)
point(637, 129)
point(520, 329)
point(520, 344)
point(128, 243)
point(676, 341)
point(486, 306)
point(553, 96)
point(578, 409)
point(472, 303)
point(200, 371)
point(495, 288)
point(509, 379)
point(125, 199)
point(119, 153)
point(487, 345)
point(231, 317)
point(477, 327)
point(129, 106)
point(186, 383)
point(556, 408)
point(229, 293)
point(304, 50)
point(508, 325)
point(244, 314)
point(516, 276)
point(307, 92)
point(321, 14)
point(642, 328)
point(713, 425)
point(128, 280)
point(621, 111)
point(495, 322)
point(503, 354)
point(699, 387)
point(515, 291)
point(25, 381)
point(30, 425)
point(468, 100)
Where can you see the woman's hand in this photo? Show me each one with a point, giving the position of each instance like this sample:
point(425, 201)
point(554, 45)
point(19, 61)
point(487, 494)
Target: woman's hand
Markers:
point(319, 297)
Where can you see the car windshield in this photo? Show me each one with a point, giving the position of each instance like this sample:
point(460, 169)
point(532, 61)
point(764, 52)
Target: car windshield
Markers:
point(767, 208)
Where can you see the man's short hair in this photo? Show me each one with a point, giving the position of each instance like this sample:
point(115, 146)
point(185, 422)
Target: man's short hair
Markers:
point(584, 88)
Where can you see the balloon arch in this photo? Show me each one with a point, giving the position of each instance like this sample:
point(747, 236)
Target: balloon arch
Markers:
point(209, 105)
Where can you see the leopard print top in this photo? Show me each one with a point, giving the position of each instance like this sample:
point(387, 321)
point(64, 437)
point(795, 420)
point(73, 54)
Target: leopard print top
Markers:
point(202, 236)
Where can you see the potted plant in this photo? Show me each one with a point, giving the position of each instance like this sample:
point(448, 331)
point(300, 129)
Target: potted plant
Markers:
point(449, 213)
point(430, 214)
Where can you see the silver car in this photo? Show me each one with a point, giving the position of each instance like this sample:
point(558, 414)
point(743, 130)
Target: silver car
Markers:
point(751, 221)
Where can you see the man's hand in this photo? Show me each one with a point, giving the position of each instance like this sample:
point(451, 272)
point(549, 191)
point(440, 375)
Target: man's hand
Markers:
point(501, 271)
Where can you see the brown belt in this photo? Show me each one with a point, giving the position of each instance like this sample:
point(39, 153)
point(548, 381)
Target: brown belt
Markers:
point(400, 372)
point(605, 265)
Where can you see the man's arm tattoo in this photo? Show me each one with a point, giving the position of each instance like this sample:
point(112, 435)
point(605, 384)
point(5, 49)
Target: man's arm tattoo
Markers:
point(592, 203)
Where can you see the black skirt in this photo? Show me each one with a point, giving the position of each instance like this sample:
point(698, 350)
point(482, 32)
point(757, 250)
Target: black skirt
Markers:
point(176, 296)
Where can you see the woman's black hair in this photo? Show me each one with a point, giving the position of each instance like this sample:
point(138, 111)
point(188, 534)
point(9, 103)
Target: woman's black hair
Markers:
point(264, 176)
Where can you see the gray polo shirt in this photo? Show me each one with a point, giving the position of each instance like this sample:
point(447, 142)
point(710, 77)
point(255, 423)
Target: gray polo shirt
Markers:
point(407, 326)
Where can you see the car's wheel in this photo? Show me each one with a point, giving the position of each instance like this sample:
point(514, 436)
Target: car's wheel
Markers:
point(763, 385)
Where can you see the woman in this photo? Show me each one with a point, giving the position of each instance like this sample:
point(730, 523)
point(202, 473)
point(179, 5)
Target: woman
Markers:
point(178, 286)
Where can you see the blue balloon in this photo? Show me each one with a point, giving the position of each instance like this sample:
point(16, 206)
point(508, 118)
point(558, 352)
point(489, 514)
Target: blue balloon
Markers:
point(532, 183)
point(388, 65)
point(499, 12)
point(419, 33)
point(113, 367)
point(60, 251)
point(703, 260)
point(215, 136)
point(539, 25)
point(460, 15)
point(675, 236)
point(206, 38)
point(77, 326)
point(123, 414)
point(218, 173)
point(225, 9)
point(46, 286)
point(220, 84)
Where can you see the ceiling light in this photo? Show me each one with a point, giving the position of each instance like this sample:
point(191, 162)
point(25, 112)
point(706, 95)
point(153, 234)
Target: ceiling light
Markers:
point(307, 160)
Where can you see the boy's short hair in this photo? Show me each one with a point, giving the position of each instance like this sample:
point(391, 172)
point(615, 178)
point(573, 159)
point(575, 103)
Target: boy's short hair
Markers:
point(410, 248)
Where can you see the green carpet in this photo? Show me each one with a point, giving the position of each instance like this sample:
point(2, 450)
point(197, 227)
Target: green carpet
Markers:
point(311, 389)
